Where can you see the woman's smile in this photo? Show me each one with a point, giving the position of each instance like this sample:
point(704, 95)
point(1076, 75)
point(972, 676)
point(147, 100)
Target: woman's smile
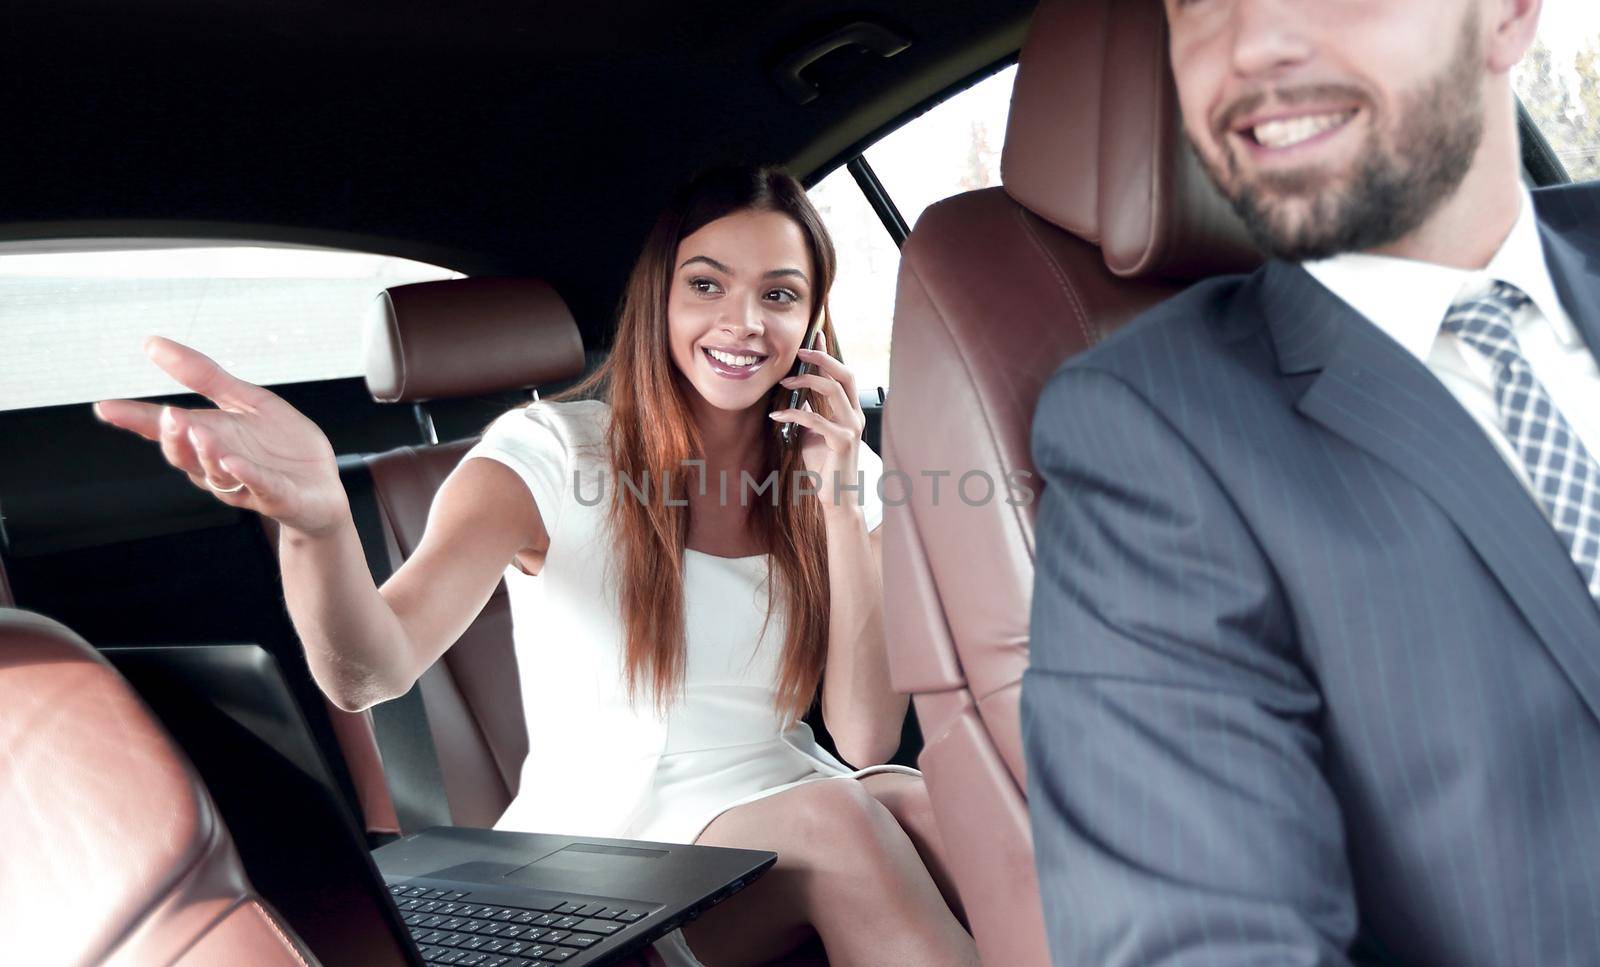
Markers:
point(730, 364)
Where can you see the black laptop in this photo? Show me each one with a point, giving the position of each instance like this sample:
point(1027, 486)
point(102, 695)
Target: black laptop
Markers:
point(445, 895)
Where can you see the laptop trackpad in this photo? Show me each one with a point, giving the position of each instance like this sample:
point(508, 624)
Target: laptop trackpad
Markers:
point(590, 858)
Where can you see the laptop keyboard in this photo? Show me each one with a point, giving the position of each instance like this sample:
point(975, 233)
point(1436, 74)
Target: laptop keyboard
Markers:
point(449, 928)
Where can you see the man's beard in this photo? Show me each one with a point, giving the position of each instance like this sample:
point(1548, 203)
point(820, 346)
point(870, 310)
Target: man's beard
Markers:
point(1393, 189)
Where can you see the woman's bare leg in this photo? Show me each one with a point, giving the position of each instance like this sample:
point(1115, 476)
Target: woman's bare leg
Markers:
point(906, 798)
point(845, 870)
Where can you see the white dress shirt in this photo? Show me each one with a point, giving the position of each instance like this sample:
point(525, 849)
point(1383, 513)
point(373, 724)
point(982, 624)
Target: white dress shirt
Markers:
point(1408, 300)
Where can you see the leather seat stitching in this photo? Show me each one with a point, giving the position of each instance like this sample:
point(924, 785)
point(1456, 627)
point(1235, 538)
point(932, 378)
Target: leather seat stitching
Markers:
point(273, 923)
point(1091, 332)
point(983, 411)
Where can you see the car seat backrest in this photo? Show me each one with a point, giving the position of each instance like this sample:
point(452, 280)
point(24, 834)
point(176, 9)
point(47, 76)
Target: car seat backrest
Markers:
point(1103, 213)
point(111, 851)
point(459, 337)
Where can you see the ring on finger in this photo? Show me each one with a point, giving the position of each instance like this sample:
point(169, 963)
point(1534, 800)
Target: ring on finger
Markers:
point(225, 490)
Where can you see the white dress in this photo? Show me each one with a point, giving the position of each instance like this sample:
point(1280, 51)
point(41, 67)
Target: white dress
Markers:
point(598, 764)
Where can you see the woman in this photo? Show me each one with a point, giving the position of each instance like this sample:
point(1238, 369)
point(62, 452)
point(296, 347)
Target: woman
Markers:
point(670, 603)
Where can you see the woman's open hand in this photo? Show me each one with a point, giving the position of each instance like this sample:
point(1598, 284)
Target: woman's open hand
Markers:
point(254, 438)
point(830, 440)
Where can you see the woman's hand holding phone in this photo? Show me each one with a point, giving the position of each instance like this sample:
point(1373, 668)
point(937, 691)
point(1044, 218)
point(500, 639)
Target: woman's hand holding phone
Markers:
point(831, 437)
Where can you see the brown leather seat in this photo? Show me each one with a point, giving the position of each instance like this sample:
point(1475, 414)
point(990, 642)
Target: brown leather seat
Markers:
point(1103, 213)
point(111, 852)
point(433, 340)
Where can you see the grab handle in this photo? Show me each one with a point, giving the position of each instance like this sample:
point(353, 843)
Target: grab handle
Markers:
point(874, 37)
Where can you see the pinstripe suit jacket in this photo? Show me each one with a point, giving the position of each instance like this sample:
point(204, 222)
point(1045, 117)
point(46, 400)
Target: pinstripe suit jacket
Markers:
point(1313, 680)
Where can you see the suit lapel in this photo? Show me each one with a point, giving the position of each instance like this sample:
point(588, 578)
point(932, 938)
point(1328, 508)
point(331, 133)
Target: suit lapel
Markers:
point(1574, 275)
point(1371, 392)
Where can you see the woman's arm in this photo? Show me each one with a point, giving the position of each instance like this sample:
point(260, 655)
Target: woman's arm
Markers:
point(363, 644)
point(367, 645)
point(860, 706)
point(862, 710)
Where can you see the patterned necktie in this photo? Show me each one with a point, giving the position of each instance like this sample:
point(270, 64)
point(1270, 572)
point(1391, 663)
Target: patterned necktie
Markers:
point(1564, 474)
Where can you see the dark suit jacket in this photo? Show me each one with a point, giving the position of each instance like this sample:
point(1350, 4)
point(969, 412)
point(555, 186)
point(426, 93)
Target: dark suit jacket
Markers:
point(1312, 677)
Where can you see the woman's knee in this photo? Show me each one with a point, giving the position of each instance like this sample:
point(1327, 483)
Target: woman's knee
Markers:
point(906, 797)
point(841, 813)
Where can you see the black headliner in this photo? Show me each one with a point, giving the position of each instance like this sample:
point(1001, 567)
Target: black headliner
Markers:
point(488, 136)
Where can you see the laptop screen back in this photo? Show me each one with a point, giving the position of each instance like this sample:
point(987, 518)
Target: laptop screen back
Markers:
point(231, 710)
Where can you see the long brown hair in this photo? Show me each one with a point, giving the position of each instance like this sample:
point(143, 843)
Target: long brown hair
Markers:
point(652, 431)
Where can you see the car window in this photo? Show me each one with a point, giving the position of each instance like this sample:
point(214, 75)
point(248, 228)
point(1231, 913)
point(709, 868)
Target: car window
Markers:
point(76, 320)
point(953, 147)
point(1559, 82)
point(862, 300)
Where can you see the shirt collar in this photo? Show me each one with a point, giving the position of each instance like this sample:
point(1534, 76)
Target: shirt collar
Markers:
point(1409, 299)
point(1521, 262)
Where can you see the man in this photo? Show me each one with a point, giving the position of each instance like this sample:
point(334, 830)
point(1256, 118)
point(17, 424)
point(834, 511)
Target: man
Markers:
point(1316, 626)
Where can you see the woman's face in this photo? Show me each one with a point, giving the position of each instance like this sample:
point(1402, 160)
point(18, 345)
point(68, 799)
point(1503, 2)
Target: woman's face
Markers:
point(739, 305)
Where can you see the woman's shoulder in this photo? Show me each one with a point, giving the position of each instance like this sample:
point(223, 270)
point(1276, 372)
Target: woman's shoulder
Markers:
point(573, 424)
point(545, 443)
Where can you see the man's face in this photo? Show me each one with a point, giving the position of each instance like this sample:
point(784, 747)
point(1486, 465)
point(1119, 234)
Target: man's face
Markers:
point(1333, 126)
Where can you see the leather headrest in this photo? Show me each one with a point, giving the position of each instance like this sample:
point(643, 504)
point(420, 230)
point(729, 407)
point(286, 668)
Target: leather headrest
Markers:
point(1095, 144)
point(468, 337)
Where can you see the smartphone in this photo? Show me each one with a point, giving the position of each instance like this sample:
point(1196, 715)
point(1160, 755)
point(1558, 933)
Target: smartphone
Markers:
point(791, 431)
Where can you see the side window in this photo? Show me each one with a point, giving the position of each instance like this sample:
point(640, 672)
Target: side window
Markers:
point(76, 314)
point(862, 299)
point(1559, 82)
point(953, 147)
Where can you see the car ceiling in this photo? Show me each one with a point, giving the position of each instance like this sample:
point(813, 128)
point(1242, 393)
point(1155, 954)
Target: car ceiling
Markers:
point(492, 137)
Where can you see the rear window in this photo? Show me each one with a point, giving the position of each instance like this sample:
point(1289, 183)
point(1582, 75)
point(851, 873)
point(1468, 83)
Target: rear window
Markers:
point(75, 319)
